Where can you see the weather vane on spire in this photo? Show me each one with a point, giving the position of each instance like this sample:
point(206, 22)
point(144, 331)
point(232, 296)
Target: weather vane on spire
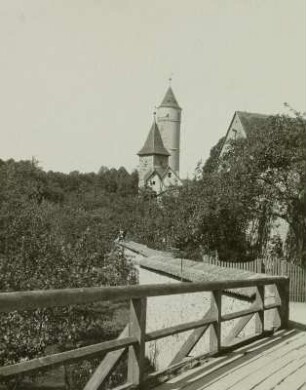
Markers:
point(170, 80)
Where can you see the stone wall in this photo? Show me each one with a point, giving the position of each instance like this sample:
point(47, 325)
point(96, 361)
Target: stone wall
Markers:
point(166, 311)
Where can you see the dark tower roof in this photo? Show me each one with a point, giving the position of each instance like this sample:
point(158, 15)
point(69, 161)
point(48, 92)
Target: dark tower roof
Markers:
point(154, 143)
point(170, 100)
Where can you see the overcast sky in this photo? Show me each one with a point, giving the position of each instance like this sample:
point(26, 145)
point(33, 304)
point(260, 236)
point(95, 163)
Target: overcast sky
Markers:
point(79, 79)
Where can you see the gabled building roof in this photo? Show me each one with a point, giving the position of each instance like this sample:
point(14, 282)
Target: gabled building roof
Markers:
point(251, 121)
point(170, 100)
point(161, 173)
point(169, 169)
point(154, 143)
point(157, 171)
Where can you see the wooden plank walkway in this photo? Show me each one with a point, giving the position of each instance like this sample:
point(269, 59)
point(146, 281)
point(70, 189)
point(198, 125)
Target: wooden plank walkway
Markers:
point(276, 362)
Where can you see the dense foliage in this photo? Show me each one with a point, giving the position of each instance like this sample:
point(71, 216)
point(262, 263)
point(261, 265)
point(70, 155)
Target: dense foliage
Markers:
point(268, 174)
point(57, 231)
point(231, 211)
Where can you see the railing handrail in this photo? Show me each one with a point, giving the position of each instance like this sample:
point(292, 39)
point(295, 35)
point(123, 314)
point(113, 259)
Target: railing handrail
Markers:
point(29, 300)
point(135, 336)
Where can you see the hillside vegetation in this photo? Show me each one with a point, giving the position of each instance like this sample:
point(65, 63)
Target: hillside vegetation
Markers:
point(58, 230)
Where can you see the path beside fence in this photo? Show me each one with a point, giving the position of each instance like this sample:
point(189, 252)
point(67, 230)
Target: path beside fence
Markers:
point(272, 266)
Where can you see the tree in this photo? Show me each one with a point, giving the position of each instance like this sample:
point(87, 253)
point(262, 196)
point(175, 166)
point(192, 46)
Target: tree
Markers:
point(47, 242)
point(259, 179)
point(231, 208)
point(276, 161)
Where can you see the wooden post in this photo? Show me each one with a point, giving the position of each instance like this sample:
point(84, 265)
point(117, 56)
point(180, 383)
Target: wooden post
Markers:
point(283, 295)
point(191, 341)
point(215, 328)
point(181, 269)
point(137, 328)
point(284, 267)
point(106, 366)
point(260, 316)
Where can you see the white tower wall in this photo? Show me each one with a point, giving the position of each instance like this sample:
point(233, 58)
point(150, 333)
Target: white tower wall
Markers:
point(169, 123)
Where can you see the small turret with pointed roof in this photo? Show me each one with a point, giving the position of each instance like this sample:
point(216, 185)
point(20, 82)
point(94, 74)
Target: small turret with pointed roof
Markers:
point(153, 156)
point(170, 100)
point(154, 143)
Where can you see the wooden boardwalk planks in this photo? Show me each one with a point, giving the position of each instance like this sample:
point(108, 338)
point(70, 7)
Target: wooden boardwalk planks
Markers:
point(278, 363)
point(266, 372)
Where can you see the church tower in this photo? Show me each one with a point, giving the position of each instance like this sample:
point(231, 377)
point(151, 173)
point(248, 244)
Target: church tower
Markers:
point(169, 123)
point(153, 158)
point(159, 158)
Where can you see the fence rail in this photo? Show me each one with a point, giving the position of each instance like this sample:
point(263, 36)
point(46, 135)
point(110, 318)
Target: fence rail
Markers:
point(273, 267)
point(135, 336)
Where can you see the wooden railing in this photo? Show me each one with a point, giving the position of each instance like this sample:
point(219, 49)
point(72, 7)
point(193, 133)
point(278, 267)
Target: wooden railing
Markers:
point(134, 336)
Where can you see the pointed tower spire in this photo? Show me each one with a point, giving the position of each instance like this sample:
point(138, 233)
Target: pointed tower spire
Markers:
point(154, 143)
point(170, 100)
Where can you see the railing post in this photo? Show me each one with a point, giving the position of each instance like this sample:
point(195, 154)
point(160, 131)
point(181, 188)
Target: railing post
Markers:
point(137, 328)
point(215, 328)
point(260, 316)
point(282, 289)
point(284, 267)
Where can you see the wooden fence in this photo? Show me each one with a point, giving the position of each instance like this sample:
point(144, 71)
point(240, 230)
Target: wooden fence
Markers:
point(135, 336)
point(275, 267)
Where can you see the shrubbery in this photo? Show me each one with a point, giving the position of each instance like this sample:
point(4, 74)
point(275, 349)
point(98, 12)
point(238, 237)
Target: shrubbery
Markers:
point(57, 231)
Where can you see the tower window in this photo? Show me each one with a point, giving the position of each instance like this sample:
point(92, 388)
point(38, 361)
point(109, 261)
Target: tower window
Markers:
point(169, 174)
